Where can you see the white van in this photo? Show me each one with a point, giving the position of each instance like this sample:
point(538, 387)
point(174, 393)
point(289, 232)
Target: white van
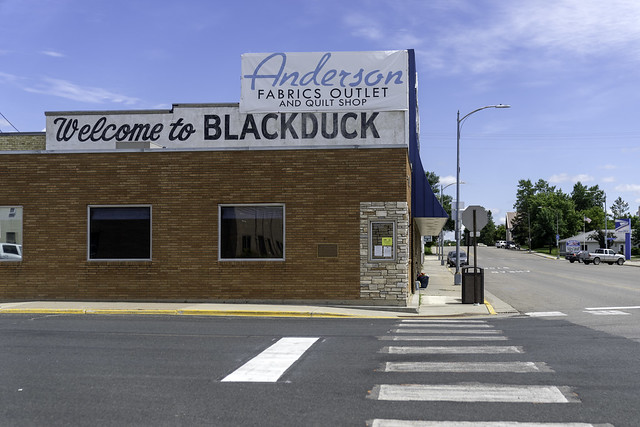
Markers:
point(10, 251)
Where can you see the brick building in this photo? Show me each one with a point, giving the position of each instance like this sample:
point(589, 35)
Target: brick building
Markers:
point(209, 202)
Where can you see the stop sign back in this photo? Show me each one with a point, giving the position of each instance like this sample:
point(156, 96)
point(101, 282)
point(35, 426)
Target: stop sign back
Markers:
point(482, 218)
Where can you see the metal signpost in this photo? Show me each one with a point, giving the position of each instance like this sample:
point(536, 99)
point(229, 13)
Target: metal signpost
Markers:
point(475, 218)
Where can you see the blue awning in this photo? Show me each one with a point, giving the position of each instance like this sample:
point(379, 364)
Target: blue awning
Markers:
point(427, 212)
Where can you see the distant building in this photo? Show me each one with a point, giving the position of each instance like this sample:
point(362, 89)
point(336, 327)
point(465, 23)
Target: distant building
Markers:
point(586, 243)
point(510, 222)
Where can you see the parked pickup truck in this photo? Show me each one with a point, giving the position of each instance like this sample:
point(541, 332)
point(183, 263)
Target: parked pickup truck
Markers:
point(603, 255)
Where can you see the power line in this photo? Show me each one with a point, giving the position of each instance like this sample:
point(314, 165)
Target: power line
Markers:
point(7, 120)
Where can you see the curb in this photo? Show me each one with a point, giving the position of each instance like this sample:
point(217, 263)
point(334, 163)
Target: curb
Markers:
point(237, 313)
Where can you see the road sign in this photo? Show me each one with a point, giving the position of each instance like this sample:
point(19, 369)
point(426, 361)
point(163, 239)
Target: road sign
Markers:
point(623, 225)
point(482, 218)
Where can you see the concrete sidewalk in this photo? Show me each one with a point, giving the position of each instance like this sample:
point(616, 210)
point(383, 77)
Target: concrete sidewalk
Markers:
point(443, 299)
point(440, 299)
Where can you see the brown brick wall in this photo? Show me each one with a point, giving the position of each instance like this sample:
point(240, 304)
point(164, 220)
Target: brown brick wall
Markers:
point(321, 190)
point(23, 141)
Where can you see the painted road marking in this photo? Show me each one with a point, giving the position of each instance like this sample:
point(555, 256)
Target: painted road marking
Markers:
point(444, 338)
point(448, 325)
point(607, 312)
point(453, 350)
point(441, 321)
point(446, 331)
point(409, 423)
point(269, 365)
point(471, 393)
point(545, 314)
point(511, 367)
point(633, 307)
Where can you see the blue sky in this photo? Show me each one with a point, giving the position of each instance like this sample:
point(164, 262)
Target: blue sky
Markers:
point(570, 69)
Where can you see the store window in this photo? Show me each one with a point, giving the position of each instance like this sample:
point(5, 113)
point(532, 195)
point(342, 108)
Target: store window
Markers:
point(119, 232)
point(10, 233)
point(382, 240)
point(251, 232)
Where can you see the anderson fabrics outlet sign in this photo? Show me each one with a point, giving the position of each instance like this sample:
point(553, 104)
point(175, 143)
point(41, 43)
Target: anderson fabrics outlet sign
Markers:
point(329, 81)
point(287, 100)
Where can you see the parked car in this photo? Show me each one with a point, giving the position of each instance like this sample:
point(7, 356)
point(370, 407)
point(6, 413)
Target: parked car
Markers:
point(574, 256)
point(501, 244)
point(603, 255)
point(10, 251)
point(512, 245)
point(451, 258)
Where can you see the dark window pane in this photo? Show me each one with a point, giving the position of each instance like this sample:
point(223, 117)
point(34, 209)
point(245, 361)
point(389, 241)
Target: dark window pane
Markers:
point(252, 232)
point(120, 233)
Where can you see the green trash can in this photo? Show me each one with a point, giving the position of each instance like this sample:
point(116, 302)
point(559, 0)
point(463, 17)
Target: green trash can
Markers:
point(472, 285)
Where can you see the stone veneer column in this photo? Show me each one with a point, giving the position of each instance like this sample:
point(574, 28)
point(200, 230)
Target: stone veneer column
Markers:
point(385, 282)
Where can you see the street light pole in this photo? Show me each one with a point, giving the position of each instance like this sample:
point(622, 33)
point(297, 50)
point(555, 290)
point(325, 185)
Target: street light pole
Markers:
point(457, 278)
point(606, 230)
point(529, 218)
point(557, 231)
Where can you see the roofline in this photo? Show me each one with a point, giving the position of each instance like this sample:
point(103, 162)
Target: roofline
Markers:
point(158, 111)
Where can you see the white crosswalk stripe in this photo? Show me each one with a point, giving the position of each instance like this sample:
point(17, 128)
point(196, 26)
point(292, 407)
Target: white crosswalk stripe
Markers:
point(269, 365)
point(471, 393)
point(408, 423)
point(483, 335)
point(444, 338)
point(448, 321)
point(512, 367)
point(608, 313)
point(446, 331)
point(545, 314)
point(447, 325)
point(452, 350)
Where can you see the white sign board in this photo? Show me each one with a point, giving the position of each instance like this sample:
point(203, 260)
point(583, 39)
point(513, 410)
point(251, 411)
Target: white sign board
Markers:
point(222, 126)
point(324, 81)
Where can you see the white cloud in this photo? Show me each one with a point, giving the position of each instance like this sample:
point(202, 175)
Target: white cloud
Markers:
point(465, 37)
point(68, 90)
point(8, 78)
point(608, 167)
point(558, 178)
point(564, 177)
point(582, 178)
point(581, 26)
point(628, 187)
point(609, 179)
point(52, 54)
point(446, 180)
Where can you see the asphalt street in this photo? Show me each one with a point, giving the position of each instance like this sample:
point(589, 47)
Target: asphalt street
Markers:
point(603, 297)
point(570, 356)
point(164, 370)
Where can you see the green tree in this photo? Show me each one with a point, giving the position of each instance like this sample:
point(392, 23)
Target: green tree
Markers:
point(444, 199)
point(543, 212)
point(596, 215)
point(635, 230)
point(598, 235)
point(501, 232)
point(524, 196)
point(620, 209)
point(434, 182)
point(586, 198)
point(488, 232)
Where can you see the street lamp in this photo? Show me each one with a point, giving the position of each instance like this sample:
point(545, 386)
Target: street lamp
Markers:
point(457, 278)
